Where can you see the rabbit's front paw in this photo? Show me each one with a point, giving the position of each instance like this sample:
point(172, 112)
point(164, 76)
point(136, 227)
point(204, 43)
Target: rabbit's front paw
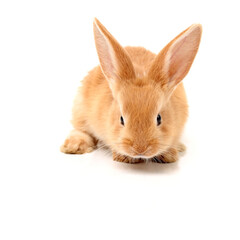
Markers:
point(181, 148)
point(170, 156)
point(126, 159)
point(78, 142)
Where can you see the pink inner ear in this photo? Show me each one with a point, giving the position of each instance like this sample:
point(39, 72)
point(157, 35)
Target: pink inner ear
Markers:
point(105, 55)
point(182, 54)
point(114, 61)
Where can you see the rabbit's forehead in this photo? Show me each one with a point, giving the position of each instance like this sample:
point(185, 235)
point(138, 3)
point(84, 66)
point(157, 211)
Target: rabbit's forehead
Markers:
point(141, 99)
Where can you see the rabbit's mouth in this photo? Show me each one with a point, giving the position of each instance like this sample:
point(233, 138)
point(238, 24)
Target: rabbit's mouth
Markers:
point(140, 149)
point(147, 153)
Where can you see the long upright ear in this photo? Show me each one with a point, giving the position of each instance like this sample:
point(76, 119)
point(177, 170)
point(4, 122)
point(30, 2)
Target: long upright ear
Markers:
point(114, 61)
point(174, 61)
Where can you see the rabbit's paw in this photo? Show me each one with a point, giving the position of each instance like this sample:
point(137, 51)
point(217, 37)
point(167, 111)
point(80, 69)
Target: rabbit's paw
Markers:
point(78, 142)
point(170, 156)
point(126, 159)
point(181, 148)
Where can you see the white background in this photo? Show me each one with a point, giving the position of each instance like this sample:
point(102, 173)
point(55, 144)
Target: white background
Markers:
point(46, 48)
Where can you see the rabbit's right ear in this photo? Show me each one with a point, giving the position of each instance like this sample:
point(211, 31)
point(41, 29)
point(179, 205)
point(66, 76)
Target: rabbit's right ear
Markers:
point(172, 64)
point(114, 61)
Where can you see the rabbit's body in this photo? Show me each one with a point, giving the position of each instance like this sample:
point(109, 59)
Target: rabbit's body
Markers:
point(100, 103)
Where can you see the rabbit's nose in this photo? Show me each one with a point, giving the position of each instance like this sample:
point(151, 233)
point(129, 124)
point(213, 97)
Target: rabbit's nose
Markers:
point(140, 149)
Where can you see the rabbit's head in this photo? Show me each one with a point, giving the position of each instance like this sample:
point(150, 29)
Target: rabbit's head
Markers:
point(142, 120)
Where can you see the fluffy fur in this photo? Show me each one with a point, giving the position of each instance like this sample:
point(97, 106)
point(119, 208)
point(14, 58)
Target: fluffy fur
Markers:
point(138, 85)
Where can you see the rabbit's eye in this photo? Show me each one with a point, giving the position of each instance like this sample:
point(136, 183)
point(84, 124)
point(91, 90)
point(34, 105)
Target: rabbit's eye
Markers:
point(159, 119)
point(122, 121)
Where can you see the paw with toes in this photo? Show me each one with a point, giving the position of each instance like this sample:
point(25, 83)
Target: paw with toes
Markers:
point(78, 143)
point(126, 159)
point(169, 156)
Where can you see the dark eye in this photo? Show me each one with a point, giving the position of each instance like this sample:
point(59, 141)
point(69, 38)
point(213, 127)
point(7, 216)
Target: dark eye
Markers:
point(122, 121)
point(159, 119)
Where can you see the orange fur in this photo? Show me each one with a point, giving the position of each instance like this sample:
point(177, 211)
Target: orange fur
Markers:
point(134, 83)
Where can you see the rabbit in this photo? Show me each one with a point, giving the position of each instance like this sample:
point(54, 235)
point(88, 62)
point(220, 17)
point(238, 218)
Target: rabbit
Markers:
point(134, 103)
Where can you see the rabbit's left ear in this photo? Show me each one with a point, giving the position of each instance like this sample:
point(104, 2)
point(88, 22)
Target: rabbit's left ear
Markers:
point(114, 60)
point(172, 64)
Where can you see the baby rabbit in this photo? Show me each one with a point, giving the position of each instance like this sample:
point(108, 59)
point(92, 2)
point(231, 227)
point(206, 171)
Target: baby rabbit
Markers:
point(134, 102)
